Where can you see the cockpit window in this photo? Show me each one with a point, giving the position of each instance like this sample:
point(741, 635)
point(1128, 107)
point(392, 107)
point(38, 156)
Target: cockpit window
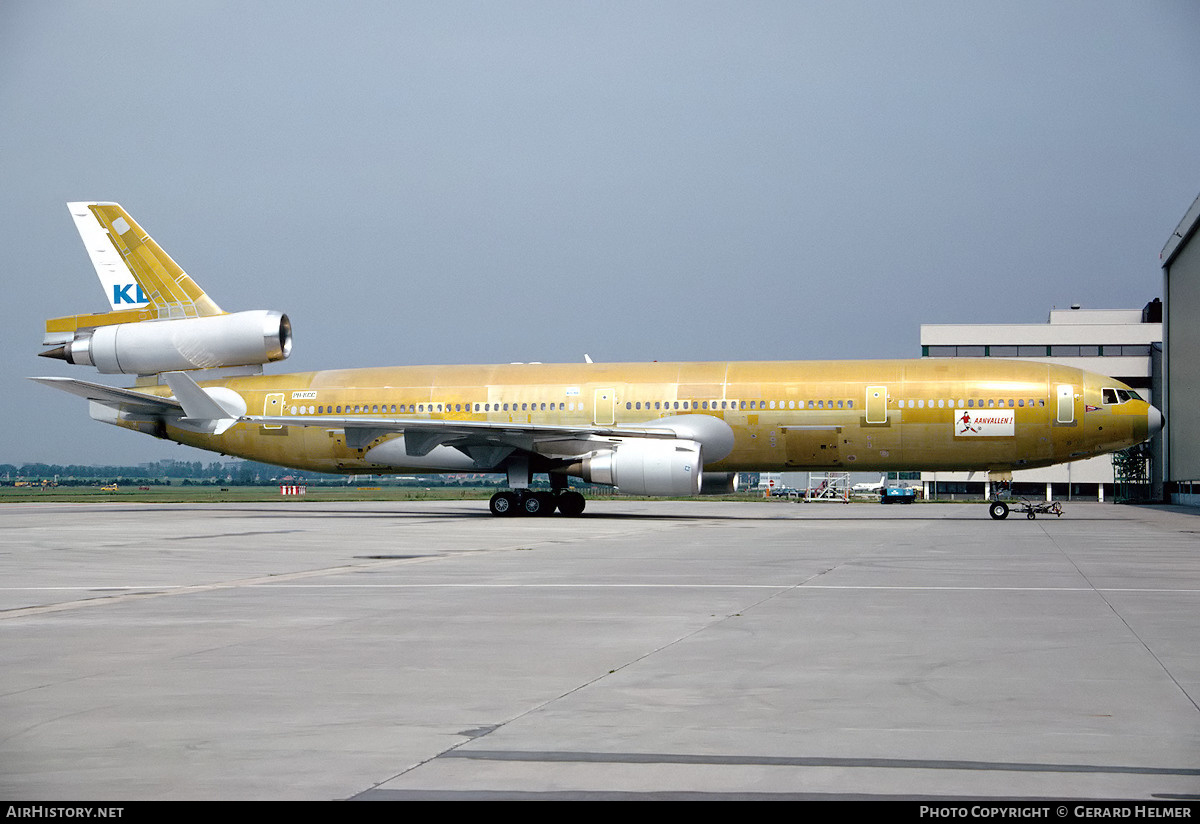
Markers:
point(1119, 395)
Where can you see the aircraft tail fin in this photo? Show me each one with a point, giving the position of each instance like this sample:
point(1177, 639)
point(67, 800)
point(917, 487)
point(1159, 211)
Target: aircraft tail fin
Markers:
point(140, 280)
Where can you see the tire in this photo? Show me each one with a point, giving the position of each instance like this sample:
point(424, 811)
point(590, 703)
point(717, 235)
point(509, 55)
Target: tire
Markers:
point(1031, 516)
point(547, 501)
point(535, 503)
point(503, 504)
point(998, 510)
point(571, 503)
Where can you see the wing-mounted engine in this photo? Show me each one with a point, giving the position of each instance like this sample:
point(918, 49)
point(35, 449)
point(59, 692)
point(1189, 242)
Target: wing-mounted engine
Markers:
point(642, 466)
point(149, 347)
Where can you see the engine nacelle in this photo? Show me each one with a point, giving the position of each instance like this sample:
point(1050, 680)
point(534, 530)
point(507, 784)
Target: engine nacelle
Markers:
point(649, 466)
point(148, 347)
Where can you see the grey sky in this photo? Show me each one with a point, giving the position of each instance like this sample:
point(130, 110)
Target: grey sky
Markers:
point(464, 182)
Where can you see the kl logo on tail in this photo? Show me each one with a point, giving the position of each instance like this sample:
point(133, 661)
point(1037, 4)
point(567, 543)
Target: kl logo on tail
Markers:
point(121, 294)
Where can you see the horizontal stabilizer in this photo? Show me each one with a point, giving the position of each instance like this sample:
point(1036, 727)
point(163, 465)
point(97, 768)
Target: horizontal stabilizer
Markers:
point(114, 396)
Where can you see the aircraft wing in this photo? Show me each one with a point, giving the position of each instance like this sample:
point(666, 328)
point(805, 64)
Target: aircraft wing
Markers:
point(421, 436)
point(115, 397)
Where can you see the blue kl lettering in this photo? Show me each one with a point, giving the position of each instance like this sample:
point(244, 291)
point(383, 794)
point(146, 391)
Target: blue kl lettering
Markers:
point(121, 294)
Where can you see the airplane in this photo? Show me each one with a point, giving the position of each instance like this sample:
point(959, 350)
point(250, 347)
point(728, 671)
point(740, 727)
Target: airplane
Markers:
point(869, 487)
point(653, 429)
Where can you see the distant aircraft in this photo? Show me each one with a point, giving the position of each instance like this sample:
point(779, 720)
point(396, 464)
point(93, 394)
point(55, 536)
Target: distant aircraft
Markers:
point(869, 487)
point(659, 429)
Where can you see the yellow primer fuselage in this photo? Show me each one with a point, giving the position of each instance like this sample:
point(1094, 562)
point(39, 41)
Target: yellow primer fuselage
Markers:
point(927, 414)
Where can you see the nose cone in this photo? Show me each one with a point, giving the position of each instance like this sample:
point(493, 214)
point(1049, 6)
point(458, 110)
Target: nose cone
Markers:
point(1154, 421)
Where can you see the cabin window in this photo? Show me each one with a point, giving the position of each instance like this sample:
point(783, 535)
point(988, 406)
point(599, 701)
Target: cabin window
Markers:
point(849, 404)
point(970, 402)
point(991, 402)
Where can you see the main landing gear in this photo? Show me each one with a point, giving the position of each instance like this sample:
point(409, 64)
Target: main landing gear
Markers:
point(530, 502)
point(998, 510)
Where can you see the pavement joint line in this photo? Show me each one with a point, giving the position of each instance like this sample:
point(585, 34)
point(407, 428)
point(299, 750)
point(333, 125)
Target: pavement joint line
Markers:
point(276, 584)
point(158, 591)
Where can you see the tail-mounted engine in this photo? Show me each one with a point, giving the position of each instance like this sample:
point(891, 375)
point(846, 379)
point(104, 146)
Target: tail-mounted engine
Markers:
point(149, 347)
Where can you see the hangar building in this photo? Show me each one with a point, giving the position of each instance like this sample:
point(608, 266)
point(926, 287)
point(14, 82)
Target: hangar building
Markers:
point(1181, 367)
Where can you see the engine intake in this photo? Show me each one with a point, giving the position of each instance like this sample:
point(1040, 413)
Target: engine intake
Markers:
point(149, 347)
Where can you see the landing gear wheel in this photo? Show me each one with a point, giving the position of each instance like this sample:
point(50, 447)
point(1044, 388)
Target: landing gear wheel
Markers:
point(548, 503)
point(537, 503)
point(571, 503)
point(998, 510)
point(1031, 516)
point(504, 504)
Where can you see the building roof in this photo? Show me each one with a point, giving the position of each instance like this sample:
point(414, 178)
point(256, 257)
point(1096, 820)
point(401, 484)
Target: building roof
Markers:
point(1183, 232)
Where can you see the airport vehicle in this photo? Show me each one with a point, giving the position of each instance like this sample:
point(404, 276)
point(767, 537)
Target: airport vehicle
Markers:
point(1034, 508)
point(897, 495)
point(659, 429)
